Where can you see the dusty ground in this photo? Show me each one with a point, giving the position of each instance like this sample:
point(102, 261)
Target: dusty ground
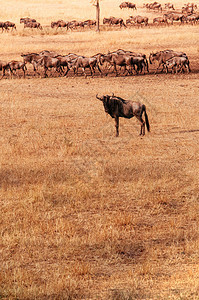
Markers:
point(85, 215)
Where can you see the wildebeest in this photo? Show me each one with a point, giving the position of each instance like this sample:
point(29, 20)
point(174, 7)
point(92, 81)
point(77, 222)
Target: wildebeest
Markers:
point(125, 59)
point(32, 58)
point(26, 20)
point(114, 21)
point(11, 25)
point(175, 17)
point(49, 62)
point(65, 61)
point(169, 6)
point(123, 5)
point(138, 20)
point(86, 63)
point(74, 24)
point(163, 56)
point(127, 5)
point(4, 66)
point(160, 20)
point(153, 6)
point(178, 63)
point(16, 65)
point(3, 26)
point(192, 18)
point(33, 25)
point(117, 107)
point(187, 10)
point(59, 23)
point(90, 23)
point(132, 5)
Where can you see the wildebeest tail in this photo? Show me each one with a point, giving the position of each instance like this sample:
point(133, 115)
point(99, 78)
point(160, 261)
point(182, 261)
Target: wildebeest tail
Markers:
point(146, 118)
point(188, 65)
point(147, 64)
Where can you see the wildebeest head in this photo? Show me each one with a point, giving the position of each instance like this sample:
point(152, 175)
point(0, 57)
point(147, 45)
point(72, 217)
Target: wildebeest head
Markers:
point(112, 105)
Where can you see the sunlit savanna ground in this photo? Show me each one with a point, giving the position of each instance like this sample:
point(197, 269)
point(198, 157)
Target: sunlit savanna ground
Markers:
point(85, 215)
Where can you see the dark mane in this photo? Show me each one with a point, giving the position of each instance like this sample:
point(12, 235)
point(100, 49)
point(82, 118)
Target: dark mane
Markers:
point(119, 98)
point(113, 105)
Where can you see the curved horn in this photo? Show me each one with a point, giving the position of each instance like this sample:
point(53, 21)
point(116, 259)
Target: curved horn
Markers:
point(98, 97)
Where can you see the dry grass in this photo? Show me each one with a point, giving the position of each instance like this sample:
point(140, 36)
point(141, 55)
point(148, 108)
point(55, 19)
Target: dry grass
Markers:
point(85, 215)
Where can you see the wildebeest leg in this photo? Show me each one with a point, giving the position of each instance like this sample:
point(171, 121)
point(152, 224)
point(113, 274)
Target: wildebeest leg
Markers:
point(3, 72)
point(166, 68)
point(24, 72)
point(59, 70)
point(83, 69)
point(158, 68)
point(11, 73)
point(66, 71)
point(117, 125)
point(188, 67)
point(45, 71)
point(125, 70)
point(92, 70)
point(99, 70)
point(115, 69)
point(142, 130)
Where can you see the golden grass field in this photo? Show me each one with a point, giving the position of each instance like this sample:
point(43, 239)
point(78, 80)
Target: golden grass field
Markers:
point(86, 215)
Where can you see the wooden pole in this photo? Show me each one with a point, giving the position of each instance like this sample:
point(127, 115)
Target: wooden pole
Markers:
point(97, 15)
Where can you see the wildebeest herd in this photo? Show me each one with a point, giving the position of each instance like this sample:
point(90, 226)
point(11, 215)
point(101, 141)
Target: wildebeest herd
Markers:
point(120, 62)
point(187, 15)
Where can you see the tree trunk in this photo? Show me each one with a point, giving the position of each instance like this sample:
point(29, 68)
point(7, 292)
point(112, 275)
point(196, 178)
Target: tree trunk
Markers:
point(97, 15)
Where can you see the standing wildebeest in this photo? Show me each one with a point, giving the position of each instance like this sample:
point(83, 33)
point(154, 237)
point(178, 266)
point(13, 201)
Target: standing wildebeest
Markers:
point(117, 107)
point(178, 63)
point(16, 65)
point(3, 26)
point(163, 56)
point(11, 24)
